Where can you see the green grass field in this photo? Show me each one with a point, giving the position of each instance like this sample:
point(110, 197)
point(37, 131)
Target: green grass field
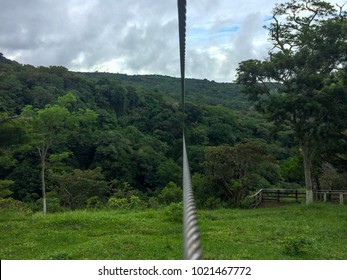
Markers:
point(288, 232)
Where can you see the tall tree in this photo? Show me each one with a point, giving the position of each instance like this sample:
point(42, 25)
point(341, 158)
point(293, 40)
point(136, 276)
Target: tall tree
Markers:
point(235, 170)
point(47, 126)
point(300, 83)
point(50, 126)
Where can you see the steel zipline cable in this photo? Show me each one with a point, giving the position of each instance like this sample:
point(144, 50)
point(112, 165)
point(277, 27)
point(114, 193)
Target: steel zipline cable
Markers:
point(191, 235)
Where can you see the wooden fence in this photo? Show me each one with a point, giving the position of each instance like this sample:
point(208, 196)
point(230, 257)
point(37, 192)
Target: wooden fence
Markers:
point(277, 195)
point(339, 196)
point(292, 196)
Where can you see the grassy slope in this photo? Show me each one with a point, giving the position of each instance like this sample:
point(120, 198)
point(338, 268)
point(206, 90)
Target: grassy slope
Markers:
point(290, 232)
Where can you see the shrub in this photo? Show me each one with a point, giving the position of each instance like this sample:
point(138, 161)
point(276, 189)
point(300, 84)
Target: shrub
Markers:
point(134, 202)
point(4, 191)
point(212, 203)
point(118, 203)
point(205, 194)
point(94, 202)
point(153, 203)
point(53, 205)
point(171, 193)
point(298, 246)
point(174, 212)
point(74, 188)
point(123, 189)
point(10, 204)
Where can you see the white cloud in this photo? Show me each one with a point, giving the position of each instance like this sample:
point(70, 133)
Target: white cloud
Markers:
point(135, 36)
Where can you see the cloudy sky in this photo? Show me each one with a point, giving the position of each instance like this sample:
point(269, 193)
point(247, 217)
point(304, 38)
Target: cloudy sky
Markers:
point(135, 36)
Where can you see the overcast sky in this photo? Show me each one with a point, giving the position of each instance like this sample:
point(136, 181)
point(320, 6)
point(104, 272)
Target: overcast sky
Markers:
point(135, 36)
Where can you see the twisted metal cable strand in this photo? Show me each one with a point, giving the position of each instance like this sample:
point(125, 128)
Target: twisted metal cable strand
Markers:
point(191, 235)
point(182, 41)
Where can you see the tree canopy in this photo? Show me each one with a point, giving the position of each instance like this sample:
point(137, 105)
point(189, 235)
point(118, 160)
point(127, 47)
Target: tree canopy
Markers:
point(302, 83)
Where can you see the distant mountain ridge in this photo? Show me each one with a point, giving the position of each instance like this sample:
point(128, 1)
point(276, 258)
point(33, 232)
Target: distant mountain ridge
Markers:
point(197, 91)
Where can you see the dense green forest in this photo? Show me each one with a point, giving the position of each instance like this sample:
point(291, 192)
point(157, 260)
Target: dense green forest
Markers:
point(90, 140)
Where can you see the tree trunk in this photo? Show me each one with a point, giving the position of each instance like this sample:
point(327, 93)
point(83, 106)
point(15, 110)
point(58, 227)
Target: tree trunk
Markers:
point(307, 153)
point(43, 153)
point(43, 184)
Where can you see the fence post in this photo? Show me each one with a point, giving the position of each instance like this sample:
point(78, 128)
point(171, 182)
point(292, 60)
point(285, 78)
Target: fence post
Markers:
point(325, 197)
point(296, 196)
point(261, 196)
point(278, 195)
point(341, 198)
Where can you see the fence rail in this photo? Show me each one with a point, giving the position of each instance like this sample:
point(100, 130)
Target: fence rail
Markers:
point(332, 196)
point(285, 195)
point(293, 195)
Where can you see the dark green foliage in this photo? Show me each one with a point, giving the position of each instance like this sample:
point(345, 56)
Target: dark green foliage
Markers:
point(206, 195)
point(76, 188)
point(292, 169)
point(26, 177)
point(170, 194)
point(12, 205)
point(130, 129)
point(233, 172)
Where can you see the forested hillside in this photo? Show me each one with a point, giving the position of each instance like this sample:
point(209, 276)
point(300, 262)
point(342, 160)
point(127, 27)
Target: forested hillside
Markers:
point(100, 139)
